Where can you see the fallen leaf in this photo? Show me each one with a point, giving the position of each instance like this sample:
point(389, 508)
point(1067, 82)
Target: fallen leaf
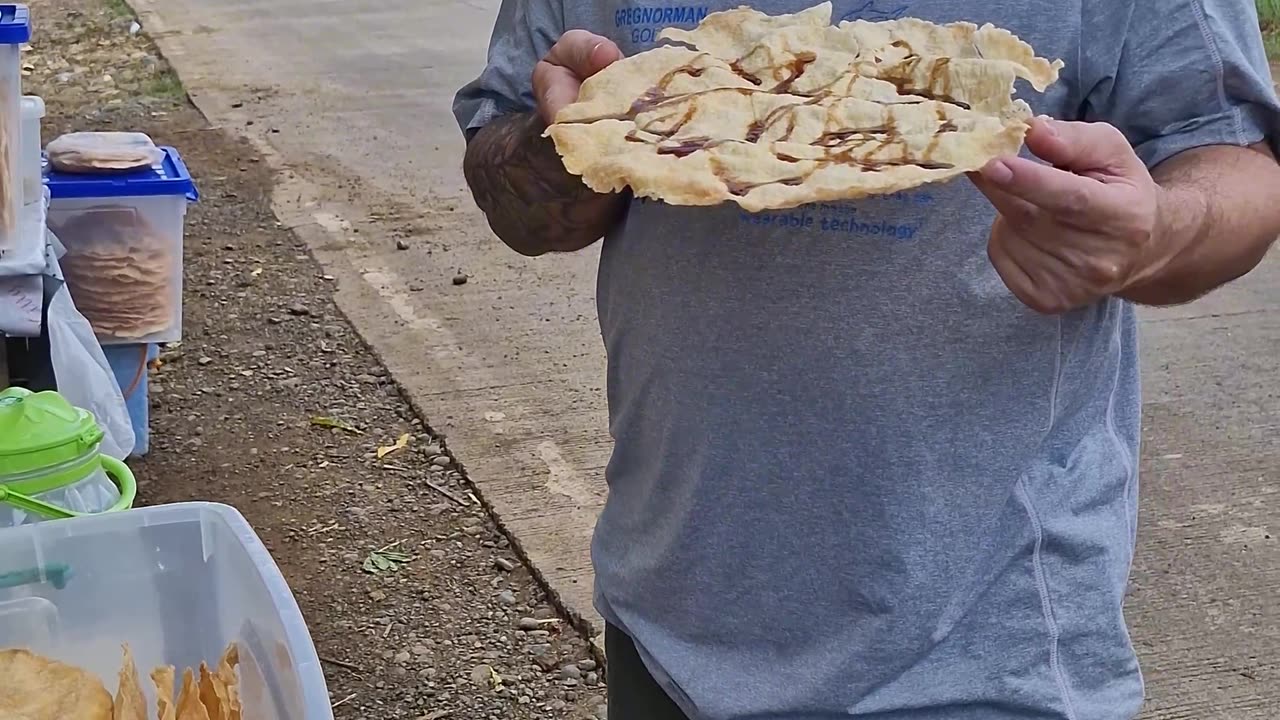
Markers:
point(385, 560)
point(400, 444)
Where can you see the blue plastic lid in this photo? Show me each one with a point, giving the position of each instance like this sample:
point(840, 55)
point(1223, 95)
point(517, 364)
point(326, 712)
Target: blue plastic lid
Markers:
point(15, 24)
point(167, 177)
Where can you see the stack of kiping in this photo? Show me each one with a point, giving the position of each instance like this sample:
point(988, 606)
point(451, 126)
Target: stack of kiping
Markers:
point(102, 152)
point(778, 111)
point(120, 271)
point(33, 687)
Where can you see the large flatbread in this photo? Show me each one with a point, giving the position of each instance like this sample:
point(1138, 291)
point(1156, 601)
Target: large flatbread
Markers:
point(779, 111)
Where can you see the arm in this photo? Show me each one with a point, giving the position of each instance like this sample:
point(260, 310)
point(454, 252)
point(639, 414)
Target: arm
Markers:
point(532, 203)
point(1217, 209)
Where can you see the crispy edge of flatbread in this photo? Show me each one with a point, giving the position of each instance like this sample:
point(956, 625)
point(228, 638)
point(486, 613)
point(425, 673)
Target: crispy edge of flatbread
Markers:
point(189, 705)
point(130, 701)
point(74, 688)
point(163, 678)
point(226, 673)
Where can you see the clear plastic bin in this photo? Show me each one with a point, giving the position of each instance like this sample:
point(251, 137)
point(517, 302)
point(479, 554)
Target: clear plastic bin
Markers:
point(178, 583)
point(32, 172)
point(123, 235)
point(15, 29)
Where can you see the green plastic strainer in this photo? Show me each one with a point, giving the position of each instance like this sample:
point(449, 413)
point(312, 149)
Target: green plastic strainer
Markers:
point(47, 444)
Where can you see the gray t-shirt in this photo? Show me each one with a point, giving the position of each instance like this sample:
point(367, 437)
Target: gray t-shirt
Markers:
point(853, 476)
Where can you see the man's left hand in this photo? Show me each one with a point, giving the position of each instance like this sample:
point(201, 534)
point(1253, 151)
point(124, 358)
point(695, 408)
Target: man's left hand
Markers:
point(1082, 227)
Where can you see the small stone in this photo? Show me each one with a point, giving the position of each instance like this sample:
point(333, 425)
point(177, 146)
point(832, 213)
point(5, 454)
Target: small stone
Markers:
point(441, 461)
point(399, 670)
point(259, 353)
point(592, 678)
point(570, 672)
point(460, 279)
point(299, 310)
point(401, 657)
point(539, 649)
point(377, 595)
point(366, 379)
point(527, 623)
point(504, 564)
point(506, 597)
point(402, 245)
point(602, 712)
point(569, 682)
point(205, 360)
point(480, 675)
point(438, 554)
point(421, 650)
point(587, 665)
point(474, 530)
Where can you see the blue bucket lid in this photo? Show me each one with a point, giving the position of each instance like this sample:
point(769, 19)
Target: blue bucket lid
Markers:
point(167, 177)
point(15, 24)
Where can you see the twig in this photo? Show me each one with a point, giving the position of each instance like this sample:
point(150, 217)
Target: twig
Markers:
point(341, 664)
point(447, 494)
point(343, 701)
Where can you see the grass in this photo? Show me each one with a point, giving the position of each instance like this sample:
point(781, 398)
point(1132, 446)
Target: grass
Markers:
point(1269, 17)
point(165, 84)
point(120, 8)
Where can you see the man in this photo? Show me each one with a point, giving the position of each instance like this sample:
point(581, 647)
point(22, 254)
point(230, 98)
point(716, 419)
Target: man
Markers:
point(878, 459)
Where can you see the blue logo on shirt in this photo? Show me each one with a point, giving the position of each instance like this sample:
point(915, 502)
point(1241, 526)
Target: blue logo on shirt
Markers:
point(875, 11)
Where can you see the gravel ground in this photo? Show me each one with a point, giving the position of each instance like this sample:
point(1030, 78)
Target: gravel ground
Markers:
point(274, 405)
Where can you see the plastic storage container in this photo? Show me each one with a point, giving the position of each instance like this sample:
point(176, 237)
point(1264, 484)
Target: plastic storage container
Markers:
point(32, 172)
point(123, 235)
point(15, 29)
point(176, 582)
point(129, 364)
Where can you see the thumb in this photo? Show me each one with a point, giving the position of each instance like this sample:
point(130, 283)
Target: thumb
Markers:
point(583, 53)
point(1083, 147)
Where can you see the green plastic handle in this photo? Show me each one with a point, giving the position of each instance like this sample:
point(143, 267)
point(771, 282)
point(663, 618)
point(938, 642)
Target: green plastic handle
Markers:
point(32, 505)
point(115, 469)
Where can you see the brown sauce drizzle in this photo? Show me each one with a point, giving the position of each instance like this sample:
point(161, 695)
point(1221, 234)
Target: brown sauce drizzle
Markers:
point(839, 145)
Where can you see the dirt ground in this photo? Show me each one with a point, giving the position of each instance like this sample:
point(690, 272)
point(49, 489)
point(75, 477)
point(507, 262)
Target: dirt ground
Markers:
point(272, 404)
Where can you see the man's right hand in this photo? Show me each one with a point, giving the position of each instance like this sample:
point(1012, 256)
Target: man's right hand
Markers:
point(515, 174)
point(575, 57)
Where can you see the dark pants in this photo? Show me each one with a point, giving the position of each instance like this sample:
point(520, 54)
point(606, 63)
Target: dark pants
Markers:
point(633, 693)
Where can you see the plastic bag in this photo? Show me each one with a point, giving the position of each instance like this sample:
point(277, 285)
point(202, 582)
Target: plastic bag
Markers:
point(102, 152)
point(83, 375)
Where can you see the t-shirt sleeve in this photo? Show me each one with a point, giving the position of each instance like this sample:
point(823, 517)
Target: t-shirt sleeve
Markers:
point(1177, 74)
point(523, 33)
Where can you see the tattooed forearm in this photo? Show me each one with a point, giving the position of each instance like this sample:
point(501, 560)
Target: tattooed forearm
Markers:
point(533, 204)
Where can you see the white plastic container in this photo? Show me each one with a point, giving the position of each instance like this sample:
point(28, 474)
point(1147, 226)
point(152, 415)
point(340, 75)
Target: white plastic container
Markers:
point(32, 173)
point(15, 29)
point(176, 582)
point(123, 235)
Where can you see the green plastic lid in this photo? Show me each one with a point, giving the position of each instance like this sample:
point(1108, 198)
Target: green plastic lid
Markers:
point(42, 430)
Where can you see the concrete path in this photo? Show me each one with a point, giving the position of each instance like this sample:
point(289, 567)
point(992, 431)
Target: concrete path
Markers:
point(351, 99)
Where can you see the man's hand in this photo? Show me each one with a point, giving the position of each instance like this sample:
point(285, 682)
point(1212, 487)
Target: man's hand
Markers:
point(1083, 227)
point(532, 203)
point(575, 57)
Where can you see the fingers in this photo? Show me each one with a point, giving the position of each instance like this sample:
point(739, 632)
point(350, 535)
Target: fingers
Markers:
point(554, 87)
point(1026, 271)
point(1017, 211)
point(1069, 197)
point(583, 53)
point(557, 79)
point(1082, 147)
